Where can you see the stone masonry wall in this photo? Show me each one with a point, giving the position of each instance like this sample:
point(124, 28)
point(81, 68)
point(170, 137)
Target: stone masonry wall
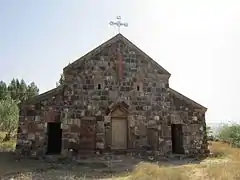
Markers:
point(32, 129)
point(94, 86)
point(31, 134)
point(194, 126)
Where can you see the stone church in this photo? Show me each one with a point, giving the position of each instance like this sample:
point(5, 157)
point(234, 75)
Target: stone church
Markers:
point(113, 99)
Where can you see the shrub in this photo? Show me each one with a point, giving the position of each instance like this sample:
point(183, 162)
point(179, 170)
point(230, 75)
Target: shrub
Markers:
point(8, 117)
point(230, 134)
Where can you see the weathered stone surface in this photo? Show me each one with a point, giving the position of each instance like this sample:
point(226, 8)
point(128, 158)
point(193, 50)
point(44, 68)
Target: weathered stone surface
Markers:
point(100, 127)
point(94, 91)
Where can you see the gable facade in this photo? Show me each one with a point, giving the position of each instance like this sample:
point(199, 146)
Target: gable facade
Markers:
point(100, 108)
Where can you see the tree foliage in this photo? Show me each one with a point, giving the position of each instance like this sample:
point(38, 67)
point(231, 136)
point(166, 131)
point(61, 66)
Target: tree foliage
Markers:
point(18, 90)
point(10, 95)
point(32, 90)
point(3, 90)
point(231, 134)
point(8, 116)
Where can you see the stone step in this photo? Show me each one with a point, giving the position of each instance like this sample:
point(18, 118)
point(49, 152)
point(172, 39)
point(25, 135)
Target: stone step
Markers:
point(177, 156)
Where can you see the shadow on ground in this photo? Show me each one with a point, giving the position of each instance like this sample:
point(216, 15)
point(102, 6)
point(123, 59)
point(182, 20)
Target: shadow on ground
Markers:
point(120, 165)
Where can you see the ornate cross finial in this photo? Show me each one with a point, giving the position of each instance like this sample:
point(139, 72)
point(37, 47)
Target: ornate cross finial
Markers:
point(118, 23)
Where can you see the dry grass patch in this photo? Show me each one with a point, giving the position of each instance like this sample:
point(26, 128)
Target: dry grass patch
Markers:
point(145, 171)
point(223, 171)
point(226, 170)
point(220, 150)
point(223, 165)
point(7, 145)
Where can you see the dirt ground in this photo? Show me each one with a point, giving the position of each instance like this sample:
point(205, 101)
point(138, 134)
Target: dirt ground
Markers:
point(10, 167)
point(118, 167)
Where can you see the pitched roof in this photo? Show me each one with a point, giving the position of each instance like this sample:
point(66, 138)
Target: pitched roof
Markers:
point(114, 39)
point(186, 99)
point(43, 96)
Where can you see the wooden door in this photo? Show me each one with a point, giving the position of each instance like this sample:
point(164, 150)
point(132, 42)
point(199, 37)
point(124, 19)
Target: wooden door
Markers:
point(119, 133)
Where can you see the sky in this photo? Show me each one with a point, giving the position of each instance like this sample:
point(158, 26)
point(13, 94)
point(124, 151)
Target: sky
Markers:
point(198, 42)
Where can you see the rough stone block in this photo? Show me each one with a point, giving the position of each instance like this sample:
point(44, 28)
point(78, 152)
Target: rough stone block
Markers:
point(107, 119)
point(72, 140)
point(131, 121)
point(83, 113)
point(70, 121)
point(166, 131)
point(100, 145)
point(37, 118)
point(136, 130)
point(100, 137)
point(41, 137)
point(65, 126)
point(98, 113)
point(156, 118)
point(194, 118)
point(152, 122)
point(74, 128)
point(142, 130)
point(100, 127)
point(24, 130)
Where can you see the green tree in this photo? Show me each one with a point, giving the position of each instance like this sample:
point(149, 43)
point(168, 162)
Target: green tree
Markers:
point(231, 134)
point(8, 116)
point(3, 90)
point(32, 90)
point(22, 91)
point(12, 88)
point(19, 90)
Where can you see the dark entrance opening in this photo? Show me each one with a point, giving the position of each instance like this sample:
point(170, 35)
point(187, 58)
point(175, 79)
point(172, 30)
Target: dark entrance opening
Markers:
point(177, 139)
point(54, 145)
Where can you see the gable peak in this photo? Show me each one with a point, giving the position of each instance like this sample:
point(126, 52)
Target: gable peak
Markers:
point(112, 40)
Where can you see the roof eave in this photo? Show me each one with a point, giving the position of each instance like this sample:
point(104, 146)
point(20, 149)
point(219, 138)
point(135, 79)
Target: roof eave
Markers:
point(39, 97)
point(197, 105)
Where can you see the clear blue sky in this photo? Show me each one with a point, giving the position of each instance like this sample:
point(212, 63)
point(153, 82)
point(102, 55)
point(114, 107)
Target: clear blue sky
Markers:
point(198, 42)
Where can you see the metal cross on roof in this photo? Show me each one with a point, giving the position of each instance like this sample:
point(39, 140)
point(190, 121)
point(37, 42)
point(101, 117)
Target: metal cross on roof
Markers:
point(118, 23)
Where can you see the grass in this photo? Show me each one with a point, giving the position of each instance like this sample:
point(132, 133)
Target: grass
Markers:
point(8, 145)
point(223, 164)
point(151, 171)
